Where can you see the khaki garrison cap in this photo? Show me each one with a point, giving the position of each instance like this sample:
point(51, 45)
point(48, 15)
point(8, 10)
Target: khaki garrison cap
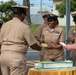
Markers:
point(45, 15)
point(52, 14)
point(51, 17)
point(49, 14)
point(24, 7)
point(73, 13)
point(19, 9)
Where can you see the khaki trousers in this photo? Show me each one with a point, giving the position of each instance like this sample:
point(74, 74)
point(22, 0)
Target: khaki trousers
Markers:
point(13, 63)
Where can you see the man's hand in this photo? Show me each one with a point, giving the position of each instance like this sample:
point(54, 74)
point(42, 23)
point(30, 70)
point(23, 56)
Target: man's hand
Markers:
point(39, 40)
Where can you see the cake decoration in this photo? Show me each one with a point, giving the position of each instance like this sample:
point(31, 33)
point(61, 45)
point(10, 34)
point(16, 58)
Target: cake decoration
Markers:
point(48, 65)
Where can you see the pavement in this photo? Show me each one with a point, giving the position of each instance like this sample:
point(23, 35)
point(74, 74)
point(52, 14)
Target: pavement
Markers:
point(32, 57)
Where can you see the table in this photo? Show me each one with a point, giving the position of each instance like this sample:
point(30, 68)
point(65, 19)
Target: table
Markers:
point(34, 71)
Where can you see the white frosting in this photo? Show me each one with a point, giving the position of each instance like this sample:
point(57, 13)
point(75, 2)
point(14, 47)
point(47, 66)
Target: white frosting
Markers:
point(54, 65)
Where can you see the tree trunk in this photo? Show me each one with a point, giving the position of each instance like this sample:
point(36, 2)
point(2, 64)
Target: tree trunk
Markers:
point(27, 3)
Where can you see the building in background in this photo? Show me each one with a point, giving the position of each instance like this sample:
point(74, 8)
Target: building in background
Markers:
point(38, 8)
point(45, 6)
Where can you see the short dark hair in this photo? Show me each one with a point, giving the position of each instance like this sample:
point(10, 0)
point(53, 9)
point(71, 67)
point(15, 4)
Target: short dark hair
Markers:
point(1, 23)
point(51, 18)
point(74, 18)
point(45, 16)
point(19, 11)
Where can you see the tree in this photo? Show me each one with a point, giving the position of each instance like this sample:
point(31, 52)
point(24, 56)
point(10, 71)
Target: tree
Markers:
point(5, 10)
point(62, 7)
point(27, 3)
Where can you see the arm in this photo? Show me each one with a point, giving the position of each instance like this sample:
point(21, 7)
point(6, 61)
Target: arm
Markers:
point(55, 47)
point(71, 35)
point(39, 34)
point(36, 47)
point(70, 46)
point(72, 39)
point(39, 39)
point(57, 44)
point(31, 40)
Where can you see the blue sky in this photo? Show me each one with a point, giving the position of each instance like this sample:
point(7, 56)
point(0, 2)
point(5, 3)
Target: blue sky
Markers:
point(18, 1)
point(35, 2)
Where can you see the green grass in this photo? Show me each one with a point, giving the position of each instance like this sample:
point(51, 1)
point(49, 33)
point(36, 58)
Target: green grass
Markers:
point(34, 27)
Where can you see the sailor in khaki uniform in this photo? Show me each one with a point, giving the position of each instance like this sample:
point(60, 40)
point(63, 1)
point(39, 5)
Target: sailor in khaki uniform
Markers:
point(53, 35)
point(41, 27)
point(1, 23)
point(72, 37)
point(16, 37)
point(39, 33)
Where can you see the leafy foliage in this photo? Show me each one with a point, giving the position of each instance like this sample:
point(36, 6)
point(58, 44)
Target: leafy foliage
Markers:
point(62, 7)
point(5, 10)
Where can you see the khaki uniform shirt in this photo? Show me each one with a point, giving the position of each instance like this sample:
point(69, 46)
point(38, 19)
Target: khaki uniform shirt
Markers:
point(53, 37)
point(40, 29)
point(16, 36)
point(39, 34)
point(72, 33)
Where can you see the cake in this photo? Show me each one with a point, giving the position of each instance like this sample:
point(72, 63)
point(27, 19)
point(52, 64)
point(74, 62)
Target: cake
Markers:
point(48, 65)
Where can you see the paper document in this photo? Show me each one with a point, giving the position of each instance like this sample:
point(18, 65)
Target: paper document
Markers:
point(62, 43)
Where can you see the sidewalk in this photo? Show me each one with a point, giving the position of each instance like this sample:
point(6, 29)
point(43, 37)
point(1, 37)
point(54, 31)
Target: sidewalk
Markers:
point(32, 57)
